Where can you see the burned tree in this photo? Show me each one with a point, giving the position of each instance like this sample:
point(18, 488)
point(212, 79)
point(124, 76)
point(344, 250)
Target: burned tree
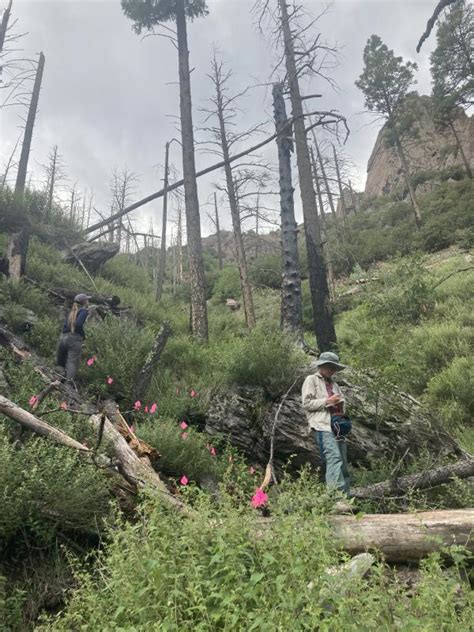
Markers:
point(291, 311)
point(224, 111)
point(148, 14)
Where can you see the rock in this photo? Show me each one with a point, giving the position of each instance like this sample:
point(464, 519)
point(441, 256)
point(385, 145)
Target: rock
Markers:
point(431, 150)
point(92, 254)
point(232, 304)
point(245, 416)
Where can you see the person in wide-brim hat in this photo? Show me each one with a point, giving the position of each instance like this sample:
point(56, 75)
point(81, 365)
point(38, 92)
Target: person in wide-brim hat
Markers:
point(323, 402)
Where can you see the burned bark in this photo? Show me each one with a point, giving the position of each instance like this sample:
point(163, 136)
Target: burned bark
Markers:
point(291, 310)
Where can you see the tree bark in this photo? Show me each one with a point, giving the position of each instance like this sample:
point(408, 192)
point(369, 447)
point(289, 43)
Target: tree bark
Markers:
point(404, 537)
point(142, 381)
point(234, 207)
point(467, 166)
point(423, 480)
point(4, 24)
point(199, 324)
point(40, 427)
point(322, 311)
point(17, 250)
point(324, 235)
point(162, 263)
point(406, 175)
point(339, 183)
point(218, 232)
point(291, 311)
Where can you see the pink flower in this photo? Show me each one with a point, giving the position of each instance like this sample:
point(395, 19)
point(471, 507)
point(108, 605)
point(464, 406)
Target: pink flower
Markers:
point(33, 400)
point(213, 451)
point(183, 425)
point(91, 360)
point(146, 409)
point(193, 393)
point(110, 380)
point(259, 498)
point(63, 406)
point(153, 408)
point(252, 470)
point(137, 405)
point(184, 480)
point(184, 435)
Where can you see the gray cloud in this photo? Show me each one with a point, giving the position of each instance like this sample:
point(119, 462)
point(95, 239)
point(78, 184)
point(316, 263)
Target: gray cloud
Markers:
point(109, 98)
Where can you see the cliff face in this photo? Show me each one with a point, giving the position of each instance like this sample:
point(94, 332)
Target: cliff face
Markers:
point(429, 149)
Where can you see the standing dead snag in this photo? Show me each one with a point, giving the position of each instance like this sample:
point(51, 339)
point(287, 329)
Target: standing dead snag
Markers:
point(291, 310)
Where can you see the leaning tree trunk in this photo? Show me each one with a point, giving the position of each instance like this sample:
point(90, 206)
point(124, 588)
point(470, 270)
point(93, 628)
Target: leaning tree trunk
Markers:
point(467, 166)
point(235, 213)
point(4, 24)
point(18, 243)
point(322, 311)
point(291, 311)
point(199, 324)
point(408, 182)
point(162, 262)
point(218, 232)
point(339, 184)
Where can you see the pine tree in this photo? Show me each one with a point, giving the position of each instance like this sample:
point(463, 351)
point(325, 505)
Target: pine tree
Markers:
point(385, 82)
point(148, 14)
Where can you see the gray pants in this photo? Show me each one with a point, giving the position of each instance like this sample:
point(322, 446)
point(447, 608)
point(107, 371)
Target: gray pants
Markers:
point(68, 353)
point(334, 454)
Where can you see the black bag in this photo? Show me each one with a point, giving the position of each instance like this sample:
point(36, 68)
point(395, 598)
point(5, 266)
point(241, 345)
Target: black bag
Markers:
point(341, 426)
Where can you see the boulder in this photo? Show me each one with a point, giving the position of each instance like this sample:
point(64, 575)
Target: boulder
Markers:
point(384, 424)
point(92, 254)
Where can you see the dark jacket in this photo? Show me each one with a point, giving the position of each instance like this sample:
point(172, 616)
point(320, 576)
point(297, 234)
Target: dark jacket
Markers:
point(82, 315)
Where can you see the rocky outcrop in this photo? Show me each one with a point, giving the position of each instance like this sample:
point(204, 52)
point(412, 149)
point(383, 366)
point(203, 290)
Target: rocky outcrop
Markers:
point(384, 424)
point(427, 149)
point(91, 254)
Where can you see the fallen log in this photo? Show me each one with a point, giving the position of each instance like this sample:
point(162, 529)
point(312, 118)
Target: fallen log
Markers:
point(134, 469)
point(65, 294)
point(423, 480)
point(143, 378)
point(40, 427)
point(404, 537)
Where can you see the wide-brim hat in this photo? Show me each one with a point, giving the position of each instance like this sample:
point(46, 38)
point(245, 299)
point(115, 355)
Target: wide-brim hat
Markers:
point(328, 357)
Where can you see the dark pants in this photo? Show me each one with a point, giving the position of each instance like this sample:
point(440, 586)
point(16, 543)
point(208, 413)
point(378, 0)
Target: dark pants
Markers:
point(68, 353)
point(334, 453)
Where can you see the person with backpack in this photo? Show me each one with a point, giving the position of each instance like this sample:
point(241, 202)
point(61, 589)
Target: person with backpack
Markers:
point(324, 405)
point(69, 349)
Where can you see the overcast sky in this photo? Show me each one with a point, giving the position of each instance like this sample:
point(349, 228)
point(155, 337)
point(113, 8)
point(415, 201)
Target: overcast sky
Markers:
point(108, 97)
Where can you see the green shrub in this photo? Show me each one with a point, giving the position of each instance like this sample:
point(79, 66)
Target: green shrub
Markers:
point(44, 336)
point(227, 285)
point(121, 270)
point(265, 271)
point(211, 572)
point(450, 392)
point(120, 348)
point(265, 358)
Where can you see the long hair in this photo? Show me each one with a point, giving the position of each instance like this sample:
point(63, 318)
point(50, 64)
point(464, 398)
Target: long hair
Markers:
point(71, 319)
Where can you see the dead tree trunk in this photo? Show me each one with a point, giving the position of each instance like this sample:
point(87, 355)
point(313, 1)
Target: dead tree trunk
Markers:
point(4, 24)
point(179, 245)
point(404, 537)
point(339, 184)
point(143, 379)
point(322, 311)
point(326, 183)
point(52, 181)
point(233, 201)
point(407, 178)
point(18, 243)
point(30, 123)
point(324, 236)
point(199, 324)
point(467, 166)
point(423, 480)
point(291, 311)
point(218, 232)
point(162, 263)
